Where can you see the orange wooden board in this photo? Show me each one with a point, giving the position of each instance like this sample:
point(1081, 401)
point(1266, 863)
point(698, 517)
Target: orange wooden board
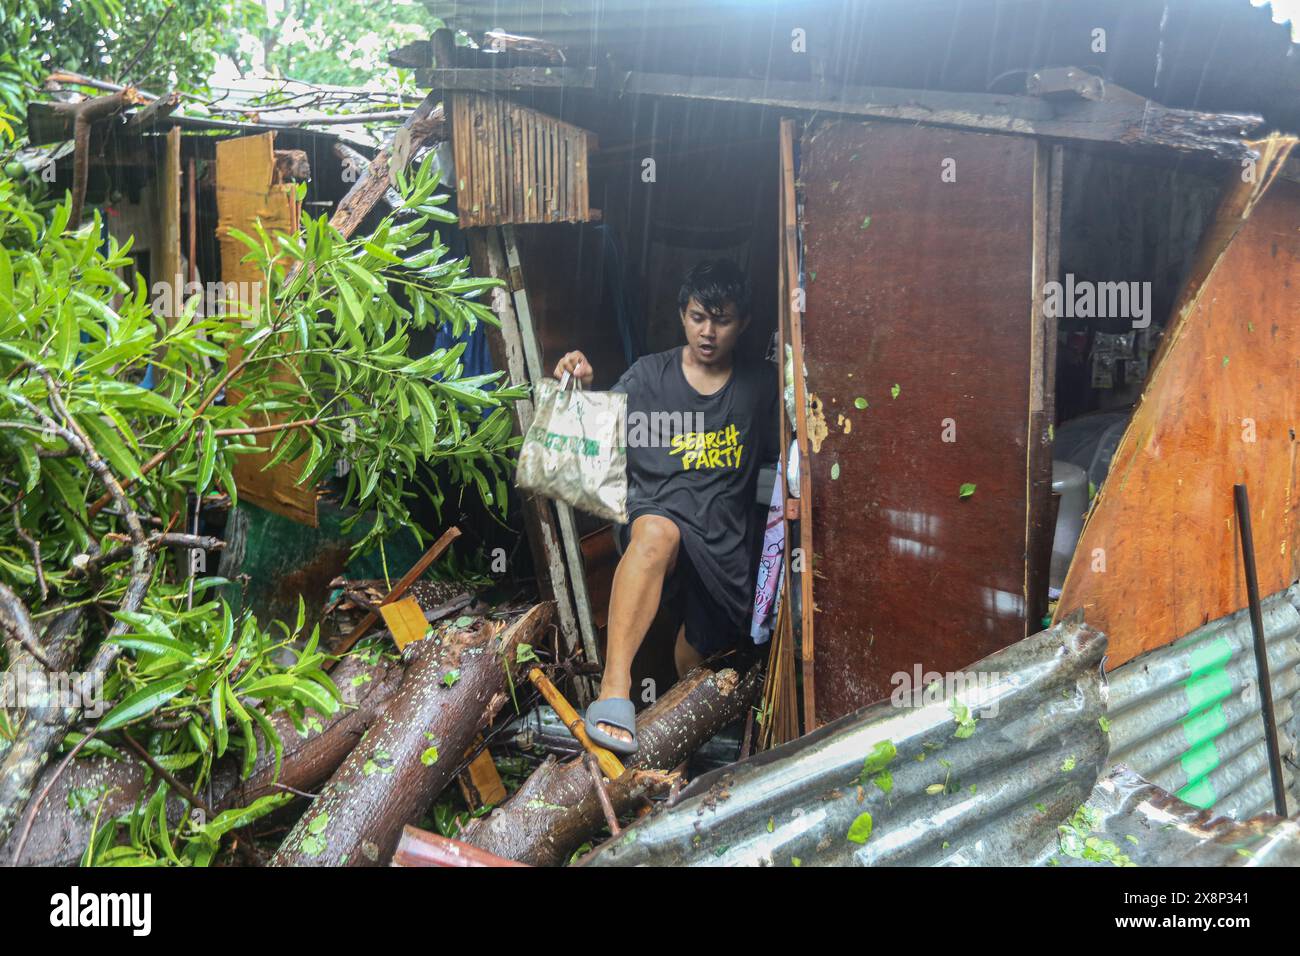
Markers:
point(246, 194)
point(1160, 554)
point(405, 621)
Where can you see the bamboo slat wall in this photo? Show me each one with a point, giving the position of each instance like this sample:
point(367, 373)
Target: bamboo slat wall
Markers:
point(515, 165)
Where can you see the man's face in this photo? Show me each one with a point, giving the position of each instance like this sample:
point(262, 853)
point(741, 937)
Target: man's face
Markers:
point(711, 336)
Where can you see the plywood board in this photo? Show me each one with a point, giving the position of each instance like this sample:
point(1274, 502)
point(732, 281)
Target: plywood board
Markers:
point(920, 306)
point(1160, 555)
point(246, 194)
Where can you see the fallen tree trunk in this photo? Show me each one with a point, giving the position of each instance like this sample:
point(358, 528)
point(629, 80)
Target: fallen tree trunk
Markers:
point(412, 751)
point(557, 809)
point(62, 826)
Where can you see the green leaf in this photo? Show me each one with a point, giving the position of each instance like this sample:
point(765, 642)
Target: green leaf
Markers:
point(207, 460)
point(144, 701)
point(881, 756)
point(860, 829)
point(966, 490)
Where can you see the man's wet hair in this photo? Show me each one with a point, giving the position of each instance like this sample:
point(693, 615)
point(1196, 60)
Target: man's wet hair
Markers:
point(714, 283)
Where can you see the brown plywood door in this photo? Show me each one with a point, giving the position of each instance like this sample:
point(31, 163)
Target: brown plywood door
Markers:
point(927, 371)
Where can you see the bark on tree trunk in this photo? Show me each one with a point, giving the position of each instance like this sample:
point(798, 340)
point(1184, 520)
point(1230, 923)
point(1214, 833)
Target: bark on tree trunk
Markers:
point(557, 808)
point(411, 752)
point(62, 825)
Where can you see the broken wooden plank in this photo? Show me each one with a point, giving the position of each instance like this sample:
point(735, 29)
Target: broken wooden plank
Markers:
point(410, 753)
point(405, 620)
point(401, 587)
point(481, 783)
point(421, 848)
point(153, 113)
point(1159, 555)
point(423, 125)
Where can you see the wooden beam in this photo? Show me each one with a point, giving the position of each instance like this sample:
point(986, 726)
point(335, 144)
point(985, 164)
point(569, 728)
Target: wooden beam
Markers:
point(153, 114)
point(508, 354)
point(1119, 120)
point(789, 240)
point(505, 80)
point(401, 587)
point(425, 123)
point(568, 527)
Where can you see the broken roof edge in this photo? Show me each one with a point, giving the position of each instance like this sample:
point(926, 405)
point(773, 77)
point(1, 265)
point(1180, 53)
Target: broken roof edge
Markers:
point(1119, 119)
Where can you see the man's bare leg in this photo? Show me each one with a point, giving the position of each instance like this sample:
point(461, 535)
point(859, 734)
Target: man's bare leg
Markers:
point(684, 656)
point(633, 602)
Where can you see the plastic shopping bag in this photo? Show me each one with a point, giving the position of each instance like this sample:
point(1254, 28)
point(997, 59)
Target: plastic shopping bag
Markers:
point(575, 449)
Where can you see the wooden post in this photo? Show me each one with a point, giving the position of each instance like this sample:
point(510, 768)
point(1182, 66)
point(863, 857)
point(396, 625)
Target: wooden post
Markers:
point(568, 528)
point(508, 354)
point(790, 270)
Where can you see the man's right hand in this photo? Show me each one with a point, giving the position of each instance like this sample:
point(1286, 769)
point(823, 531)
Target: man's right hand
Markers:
point(576, 364)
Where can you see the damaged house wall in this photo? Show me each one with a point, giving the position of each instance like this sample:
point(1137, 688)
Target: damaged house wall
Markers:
point(1159, 554)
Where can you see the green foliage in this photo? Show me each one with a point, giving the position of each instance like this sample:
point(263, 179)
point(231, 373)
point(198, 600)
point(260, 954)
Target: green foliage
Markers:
point(321, 42)
point(103, 37)
point(1077, 839)
point(323, 351)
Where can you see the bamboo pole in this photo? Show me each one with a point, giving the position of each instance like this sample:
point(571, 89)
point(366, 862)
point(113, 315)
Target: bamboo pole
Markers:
point(609, 764)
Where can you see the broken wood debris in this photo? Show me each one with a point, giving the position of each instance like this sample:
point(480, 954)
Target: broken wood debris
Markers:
point(421, 848)
point(404, 759)
point(557, 809)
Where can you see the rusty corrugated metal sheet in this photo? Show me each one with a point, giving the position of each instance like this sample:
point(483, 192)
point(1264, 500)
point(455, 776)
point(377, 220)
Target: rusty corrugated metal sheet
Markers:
point(1187, 716)
point(799, 801)
point(1150, 827)
point(1005, 788)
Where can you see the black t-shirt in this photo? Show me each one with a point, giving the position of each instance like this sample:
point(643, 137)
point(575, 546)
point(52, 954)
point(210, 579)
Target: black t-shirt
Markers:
point(695, 458)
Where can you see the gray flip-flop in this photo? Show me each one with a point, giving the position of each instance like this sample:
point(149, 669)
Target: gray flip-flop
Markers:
point(617, 712)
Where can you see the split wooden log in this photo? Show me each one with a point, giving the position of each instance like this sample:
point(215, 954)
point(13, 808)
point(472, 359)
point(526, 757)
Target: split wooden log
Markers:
point(411, 752)
point(424, 125)
point(84, 115)
point(62, 826)
point(558, 809)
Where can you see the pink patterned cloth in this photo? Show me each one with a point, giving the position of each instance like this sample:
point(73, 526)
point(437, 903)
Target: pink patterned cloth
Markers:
point(771, 569)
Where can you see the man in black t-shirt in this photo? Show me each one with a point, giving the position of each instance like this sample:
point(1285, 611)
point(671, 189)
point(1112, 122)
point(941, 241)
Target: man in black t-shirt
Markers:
point(698, 426)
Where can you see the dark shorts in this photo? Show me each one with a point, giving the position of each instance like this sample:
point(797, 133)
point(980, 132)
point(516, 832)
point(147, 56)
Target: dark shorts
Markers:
point(709, 628)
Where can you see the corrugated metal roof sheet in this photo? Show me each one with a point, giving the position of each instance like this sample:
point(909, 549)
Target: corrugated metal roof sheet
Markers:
point(995, 797)
point(1187, 716)
point(1214, 55)
point(1152, 828)
point(1011, 792)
